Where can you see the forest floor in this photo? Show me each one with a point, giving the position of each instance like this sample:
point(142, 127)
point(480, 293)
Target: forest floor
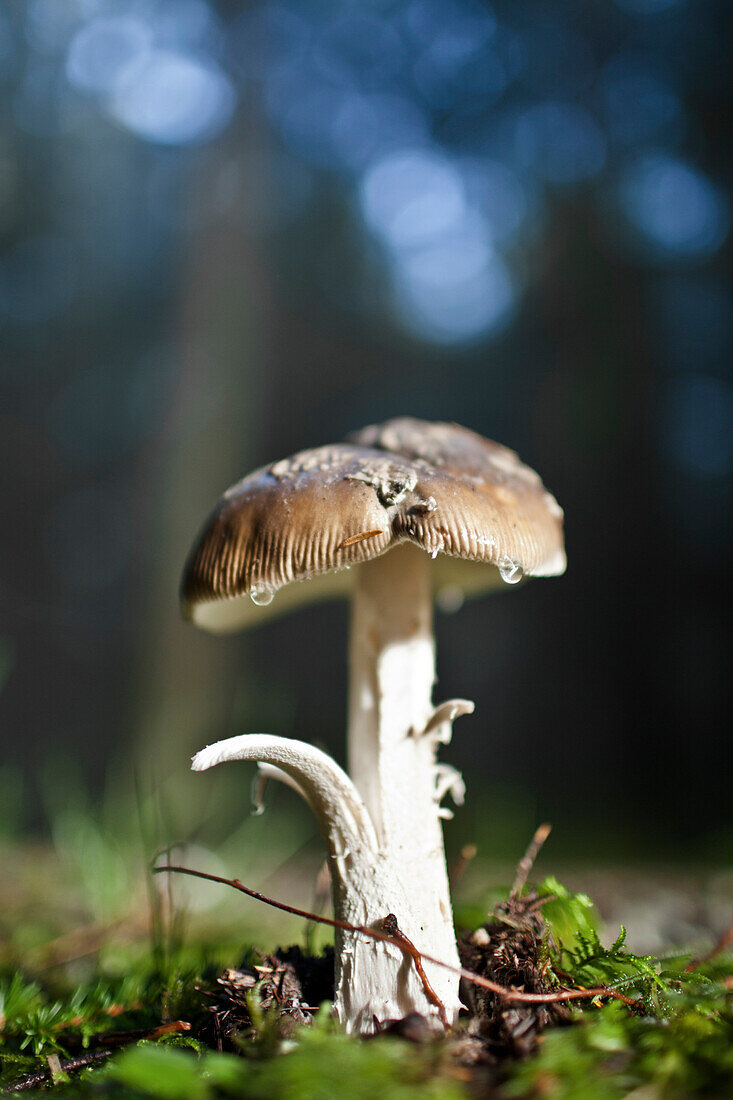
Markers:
point(152, 998)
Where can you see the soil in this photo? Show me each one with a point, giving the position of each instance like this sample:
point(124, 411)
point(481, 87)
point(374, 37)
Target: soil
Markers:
point(511, 949)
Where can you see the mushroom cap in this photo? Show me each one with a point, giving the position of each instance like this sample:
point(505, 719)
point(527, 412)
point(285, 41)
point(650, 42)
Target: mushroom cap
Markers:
point(468, 502)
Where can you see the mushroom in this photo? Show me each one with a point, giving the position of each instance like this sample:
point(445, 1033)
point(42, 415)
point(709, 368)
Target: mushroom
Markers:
point(397, 512)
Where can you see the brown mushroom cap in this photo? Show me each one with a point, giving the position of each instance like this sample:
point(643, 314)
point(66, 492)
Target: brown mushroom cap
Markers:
point(466, 501)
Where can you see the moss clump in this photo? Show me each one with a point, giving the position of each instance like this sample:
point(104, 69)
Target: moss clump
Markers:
point(256, 1031)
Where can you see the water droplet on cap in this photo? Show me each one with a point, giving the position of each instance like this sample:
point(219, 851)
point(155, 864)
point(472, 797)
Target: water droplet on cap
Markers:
point(261, 595)
point(511, 571)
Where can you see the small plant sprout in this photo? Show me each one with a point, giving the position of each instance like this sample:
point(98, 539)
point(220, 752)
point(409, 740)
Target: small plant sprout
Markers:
point(398, 512)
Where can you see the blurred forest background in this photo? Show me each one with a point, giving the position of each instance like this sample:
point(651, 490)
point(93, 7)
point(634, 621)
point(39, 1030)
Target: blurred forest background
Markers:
point(233, 230)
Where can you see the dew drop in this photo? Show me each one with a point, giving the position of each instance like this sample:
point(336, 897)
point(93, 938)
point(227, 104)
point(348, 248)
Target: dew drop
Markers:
point(261, 595)
point(511, 571)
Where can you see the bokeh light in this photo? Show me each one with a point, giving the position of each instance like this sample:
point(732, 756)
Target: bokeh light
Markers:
point(230, 230)
point(453, 291)
point(461, 72)
point(438, 114)
point(676, 210)
point(506, 199)
point(412, 197)
point(172, 98)
point(366, 127)
point(102, 48)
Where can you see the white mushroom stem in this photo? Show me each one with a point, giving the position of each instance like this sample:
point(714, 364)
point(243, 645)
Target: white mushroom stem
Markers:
point(382, 830)
point(393, 735)
point(372, 978)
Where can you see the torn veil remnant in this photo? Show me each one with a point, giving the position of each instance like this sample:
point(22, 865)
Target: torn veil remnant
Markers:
point(411, 507)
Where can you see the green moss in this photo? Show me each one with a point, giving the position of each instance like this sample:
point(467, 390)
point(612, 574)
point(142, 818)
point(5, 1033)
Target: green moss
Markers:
point(675, 1043)
point(323, 1064)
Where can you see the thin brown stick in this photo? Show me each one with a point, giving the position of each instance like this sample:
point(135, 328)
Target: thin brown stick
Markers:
point(527, 861)
point(114, 1040)
point(392, 928)
point(725, 940)
point(361, 537)
point(42, 1077)
point(376, 934)
point(172, 1027)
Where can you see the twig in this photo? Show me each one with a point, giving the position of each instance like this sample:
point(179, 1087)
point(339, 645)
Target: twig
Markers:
point(725, 940)
point(43, 1076)
point(115, 1039)
point(391, 926)
point(171, 1027)
point(375, 934)
point(527, 861)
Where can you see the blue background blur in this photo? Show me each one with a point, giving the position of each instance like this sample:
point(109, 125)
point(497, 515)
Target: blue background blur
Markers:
point(233, 230)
